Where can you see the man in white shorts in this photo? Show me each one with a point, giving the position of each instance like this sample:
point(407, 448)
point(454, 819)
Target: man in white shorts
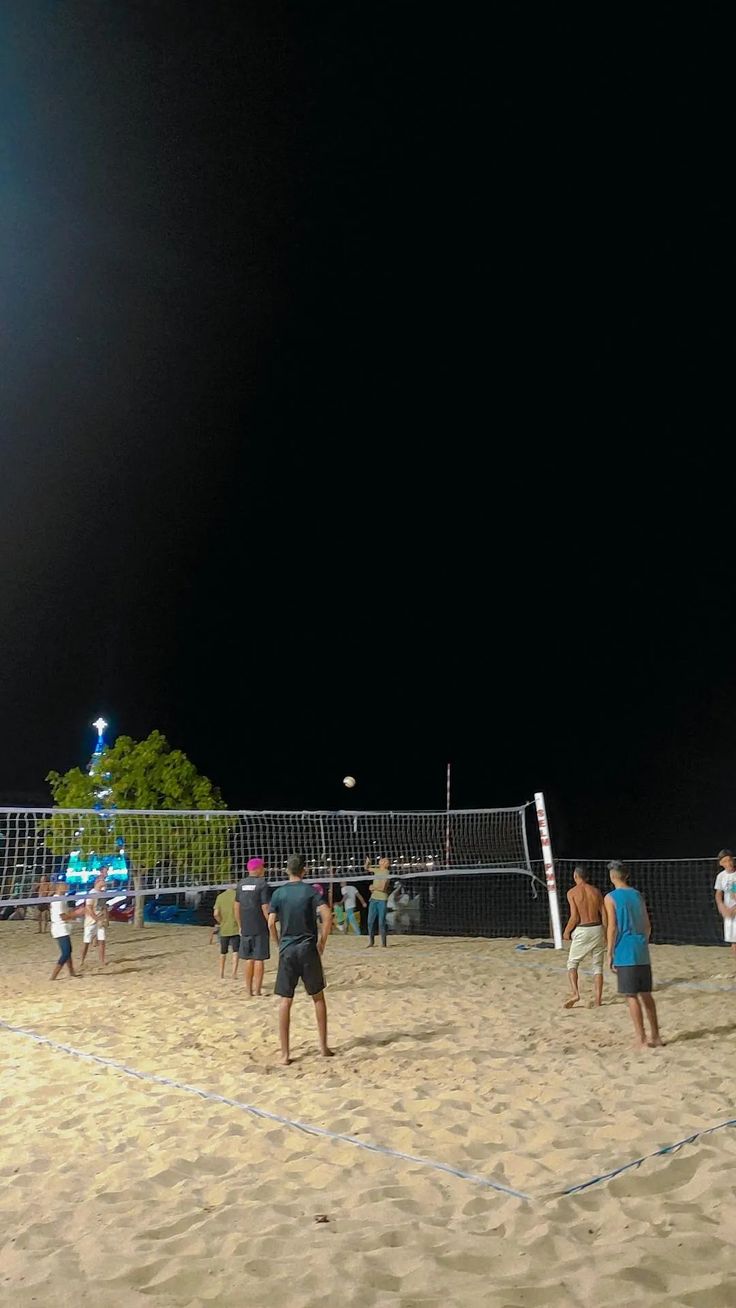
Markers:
point(350, 897)
point(95, 918)
point(585, 929)
point(725, 889)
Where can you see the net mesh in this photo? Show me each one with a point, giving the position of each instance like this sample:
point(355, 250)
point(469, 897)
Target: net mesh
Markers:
point(156, 852)
point(679, 895)
point(464, 873)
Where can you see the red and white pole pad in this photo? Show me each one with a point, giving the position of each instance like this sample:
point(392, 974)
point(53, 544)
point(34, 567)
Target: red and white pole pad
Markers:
point(549, 869)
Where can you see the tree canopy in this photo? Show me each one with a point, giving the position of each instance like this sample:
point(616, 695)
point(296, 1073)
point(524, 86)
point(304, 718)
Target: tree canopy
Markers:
point(146, 774)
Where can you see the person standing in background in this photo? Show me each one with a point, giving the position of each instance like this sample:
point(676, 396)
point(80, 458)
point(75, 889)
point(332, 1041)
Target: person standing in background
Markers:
point(252, 901)
point(725, 889)
point(59, 918)
point(378, 900)
point(585, 929)
point(225, 917)
point(95, 918)
point(350, 897)
point(43, 890)
point(628, 930)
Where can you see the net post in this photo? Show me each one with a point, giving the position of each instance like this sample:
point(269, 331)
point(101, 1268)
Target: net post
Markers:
point(549, 869)
point(447, 819)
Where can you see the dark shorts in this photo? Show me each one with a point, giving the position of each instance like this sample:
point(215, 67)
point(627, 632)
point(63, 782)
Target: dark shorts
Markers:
point(635, 980)
point(229, 942)
point(256, 948)
point(300, 962)
point(65, 949)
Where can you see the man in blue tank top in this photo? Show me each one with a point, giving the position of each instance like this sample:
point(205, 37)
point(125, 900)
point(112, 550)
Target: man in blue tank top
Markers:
point(628, 933)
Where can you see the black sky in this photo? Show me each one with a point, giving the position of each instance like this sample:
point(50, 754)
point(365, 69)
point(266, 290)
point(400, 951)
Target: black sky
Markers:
point(367, 402)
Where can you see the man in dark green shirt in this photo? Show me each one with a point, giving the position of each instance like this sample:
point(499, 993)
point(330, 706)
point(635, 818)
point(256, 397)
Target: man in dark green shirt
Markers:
point(298, 910)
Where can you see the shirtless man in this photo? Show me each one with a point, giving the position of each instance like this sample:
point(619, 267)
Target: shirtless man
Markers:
point(44, 888)
point(586, 930)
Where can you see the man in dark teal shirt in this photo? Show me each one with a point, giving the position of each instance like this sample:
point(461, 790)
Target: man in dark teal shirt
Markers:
point(298, 910)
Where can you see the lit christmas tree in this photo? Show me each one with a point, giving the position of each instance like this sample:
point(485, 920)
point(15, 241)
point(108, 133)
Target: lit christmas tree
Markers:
point(82, 869)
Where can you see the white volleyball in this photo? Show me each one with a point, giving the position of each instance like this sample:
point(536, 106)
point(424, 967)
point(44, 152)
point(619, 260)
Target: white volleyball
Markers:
point(349, 782)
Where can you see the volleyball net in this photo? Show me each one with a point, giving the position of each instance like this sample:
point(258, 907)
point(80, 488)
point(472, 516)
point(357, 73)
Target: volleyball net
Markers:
point(156, 852)
point(465, 872)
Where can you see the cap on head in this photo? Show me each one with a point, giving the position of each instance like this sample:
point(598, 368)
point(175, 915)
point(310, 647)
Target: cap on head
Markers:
point(320, 889)
point(255, 864)
point(295, 864)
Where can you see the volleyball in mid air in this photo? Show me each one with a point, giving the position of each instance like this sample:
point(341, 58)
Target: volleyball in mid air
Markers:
point(349, 782)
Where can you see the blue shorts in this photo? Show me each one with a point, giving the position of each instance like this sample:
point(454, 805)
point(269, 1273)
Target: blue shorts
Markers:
point(65, 949)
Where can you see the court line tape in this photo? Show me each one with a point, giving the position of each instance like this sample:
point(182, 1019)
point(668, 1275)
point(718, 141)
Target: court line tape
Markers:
point(637, 1162)
point(264, 1113)
point(368, 1146)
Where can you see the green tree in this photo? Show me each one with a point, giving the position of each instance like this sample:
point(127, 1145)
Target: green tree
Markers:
point(146, 774)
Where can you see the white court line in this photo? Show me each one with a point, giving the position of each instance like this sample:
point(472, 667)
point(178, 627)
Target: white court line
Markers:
point(485, 1181)
point(386, 1151)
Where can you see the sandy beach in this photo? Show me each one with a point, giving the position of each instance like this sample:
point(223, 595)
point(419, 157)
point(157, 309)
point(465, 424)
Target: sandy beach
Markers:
point(123, 1192)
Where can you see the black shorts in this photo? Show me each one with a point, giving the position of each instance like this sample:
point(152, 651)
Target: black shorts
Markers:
point(635, 980)
point(255, 948)
point(229, 942)
point(300, 962)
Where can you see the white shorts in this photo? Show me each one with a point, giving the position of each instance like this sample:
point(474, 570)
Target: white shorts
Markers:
point(588, 940)
point(729, 930)
point(91, 929)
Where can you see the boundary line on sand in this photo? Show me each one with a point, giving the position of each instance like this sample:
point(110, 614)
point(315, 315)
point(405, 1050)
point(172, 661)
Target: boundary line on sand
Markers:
point(264, 1114)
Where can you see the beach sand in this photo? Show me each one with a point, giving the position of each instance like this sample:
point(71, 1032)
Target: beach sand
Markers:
point(119, 1192)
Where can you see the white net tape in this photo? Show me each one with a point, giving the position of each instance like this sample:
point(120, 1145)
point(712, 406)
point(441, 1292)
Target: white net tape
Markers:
point(154, 852)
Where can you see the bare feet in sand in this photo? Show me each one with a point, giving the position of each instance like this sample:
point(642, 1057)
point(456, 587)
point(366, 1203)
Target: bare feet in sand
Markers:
point(570, 1003)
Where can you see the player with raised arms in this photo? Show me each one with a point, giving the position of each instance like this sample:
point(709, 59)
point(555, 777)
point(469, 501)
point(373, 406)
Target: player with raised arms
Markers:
point(378, 903)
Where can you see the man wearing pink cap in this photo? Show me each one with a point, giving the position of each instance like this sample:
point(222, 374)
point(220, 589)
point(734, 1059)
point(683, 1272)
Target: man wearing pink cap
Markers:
point(252, 903)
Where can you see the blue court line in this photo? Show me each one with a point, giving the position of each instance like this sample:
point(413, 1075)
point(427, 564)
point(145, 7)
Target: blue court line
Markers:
point(637, 1162)
point(385, 1150)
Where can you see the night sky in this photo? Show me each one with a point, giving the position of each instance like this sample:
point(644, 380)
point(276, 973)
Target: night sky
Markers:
point(366, 401)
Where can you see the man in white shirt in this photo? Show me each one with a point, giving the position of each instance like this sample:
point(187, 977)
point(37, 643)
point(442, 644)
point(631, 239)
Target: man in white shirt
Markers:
point(59, 917)
point(95, 918)
point(350, 897)
point(725, 889)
